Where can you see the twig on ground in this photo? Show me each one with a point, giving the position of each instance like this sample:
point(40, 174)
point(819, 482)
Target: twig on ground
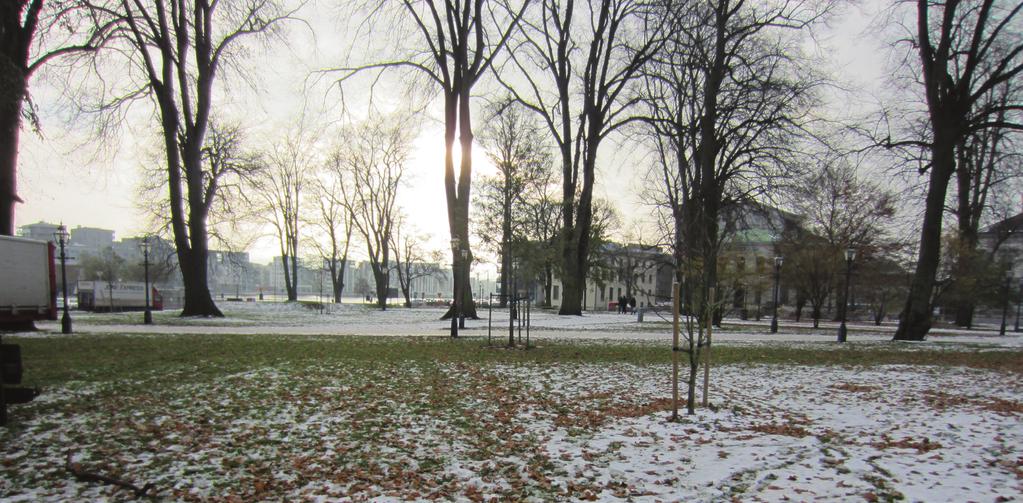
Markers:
point(84, 476)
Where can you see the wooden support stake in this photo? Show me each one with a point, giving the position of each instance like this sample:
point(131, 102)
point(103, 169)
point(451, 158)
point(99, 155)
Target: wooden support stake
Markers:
point(706, 358)
point(674, 350)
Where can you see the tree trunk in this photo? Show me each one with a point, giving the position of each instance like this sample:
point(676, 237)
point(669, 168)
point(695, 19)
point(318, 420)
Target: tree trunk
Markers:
point(381, 278)
point(289, 278)
point(548, 284)
point(506, 265)
point(915, 321)
point(405, 293)
point(571, 288)
point(337, 277)
point(11, 97)
point(198, 301)
point(194, 259)
point(506, 237)
point(964, 312)
point(694, 366)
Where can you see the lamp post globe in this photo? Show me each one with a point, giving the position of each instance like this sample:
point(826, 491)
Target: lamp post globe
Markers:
point(62, 239)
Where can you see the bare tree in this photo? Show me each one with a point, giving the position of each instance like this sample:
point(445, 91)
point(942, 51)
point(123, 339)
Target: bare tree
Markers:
point(32, 33)
point(175, 49)
point(516, 145)
point(966, 49)
point(372, 162)
point(578, 67)
point(410, 261)
point(840, 211)
point(334, 226)
point(986, 162)
point(277, 198)
point(540, 226)
point(811, 268)
point(459, 41)
point(724, 108)
point(226, 166)
point(725, 111)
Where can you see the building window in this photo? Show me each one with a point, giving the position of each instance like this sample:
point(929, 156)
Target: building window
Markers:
point(556, 292)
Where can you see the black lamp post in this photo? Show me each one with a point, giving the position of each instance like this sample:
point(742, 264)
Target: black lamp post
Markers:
point(1019, 300)
point(1005, 304)
point(147, 316)
point(512, 303)
point(62, 239)
point(850, 255)
point(456, 245)
point(777, 277)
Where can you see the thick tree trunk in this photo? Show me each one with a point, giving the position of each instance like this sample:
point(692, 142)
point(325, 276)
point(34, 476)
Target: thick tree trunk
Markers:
point(337, 276)
point(571, 285)
point(194, 276)
point(382, 280)
point(290, 279)
point(915, 321)
point(964, 312)
point(548, 284)
point(193, 250)
point(11, 97)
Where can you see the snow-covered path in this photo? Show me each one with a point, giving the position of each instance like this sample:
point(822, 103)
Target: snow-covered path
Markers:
point(285, 319)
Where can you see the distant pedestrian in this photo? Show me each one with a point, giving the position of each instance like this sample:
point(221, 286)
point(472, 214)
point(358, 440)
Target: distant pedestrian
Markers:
point(632, 303)
point(621, 304)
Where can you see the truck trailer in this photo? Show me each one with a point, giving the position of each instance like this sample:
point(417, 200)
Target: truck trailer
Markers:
point(28, 282)
point(117, 296)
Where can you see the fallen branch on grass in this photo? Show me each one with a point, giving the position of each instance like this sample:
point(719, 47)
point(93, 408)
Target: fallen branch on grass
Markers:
point(84, 476)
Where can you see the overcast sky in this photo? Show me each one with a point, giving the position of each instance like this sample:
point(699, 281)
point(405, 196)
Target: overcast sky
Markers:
point(62, 178)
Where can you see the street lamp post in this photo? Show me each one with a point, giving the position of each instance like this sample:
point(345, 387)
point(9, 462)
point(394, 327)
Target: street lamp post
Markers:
point(850, 255)
point(777, 278)
point(1005, 304)
point(147, 317)
point(1019, 300)
point(456, 244)
point(62, 239)
point(512, 301)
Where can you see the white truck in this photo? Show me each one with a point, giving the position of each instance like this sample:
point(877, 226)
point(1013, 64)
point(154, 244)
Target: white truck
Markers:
point(28, 281)
point(117, 296)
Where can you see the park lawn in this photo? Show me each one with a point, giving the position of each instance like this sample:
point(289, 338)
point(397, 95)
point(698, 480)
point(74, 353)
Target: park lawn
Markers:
point(256, 417)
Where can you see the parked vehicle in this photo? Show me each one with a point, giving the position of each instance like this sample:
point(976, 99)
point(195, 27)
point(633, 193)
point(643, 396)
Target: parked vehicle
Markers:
point(117, 296)
point(28, 281)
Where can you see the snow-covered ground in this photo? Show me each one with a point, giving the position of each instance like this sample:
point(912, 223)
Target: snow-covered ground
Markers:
point(349, 319)
point(361, 430)
point(527, 432)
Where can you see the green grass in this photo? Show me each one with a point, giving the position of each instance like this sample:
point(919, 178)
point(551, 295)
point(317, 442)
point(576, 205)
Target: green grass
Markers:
point(55, 360)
